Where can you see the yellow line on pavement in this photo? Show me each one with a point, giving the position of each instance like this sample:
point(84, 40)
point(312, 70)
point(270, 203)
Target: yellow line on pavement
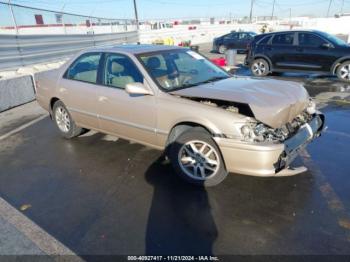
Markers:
point(333, 200)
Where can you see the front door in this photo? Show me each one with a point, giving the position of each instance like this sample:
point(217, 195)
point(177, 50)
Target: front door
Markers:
point(313, 53)
point(129, 116)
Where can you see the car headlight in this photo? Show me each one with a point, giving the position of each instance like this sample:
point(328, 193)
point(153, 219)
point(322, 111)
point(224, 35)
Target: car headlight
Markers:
point(253, 132)
point(247, 133)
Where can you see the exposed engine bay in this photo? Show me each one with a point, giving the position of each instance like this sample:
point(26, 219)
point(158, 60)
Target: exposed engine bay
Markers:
point(234, 107)
point(258, 131)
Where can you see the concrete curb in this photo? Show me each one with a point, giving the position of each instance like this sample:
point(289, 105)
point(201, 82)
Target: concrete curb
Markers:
point(16, 91)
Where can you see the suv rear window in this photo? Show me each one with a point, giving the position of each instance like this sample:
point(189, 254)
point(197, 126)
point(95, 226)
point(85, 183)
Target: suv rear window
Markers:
point(283, 39)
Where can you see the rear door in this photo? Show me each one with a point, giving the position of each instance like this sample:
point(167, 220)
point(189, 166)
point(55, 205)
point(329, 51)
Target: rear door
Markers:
point(313, 54)
point(282, 50)
point(77, 89)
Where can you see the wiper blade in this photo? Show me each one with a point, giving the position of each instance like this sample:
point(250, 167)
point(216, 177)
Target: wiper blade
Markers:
point(210, 80)
point(214, 79)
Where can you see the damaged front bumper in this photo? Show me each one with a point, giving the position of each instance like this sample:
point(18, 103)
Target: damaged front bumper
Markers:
point(266, 159)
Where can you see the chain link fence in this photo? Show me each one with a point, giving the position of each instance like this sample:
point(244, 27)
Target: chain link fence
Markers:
point(32, 35)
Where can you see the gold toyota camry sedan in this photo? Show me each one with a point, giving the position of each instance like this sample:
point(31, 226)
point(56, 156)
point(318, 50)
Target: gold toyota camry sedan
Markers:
point(208, 122)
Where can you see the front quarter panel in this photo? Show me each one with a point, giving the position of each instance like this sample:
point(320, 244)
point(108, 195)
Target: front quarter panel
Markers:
point(174, 110)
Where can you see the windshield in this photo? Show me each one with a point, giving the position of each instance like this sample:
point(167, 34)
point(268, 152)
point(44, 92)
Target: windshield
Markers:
point(178, 69)
point(333, 39)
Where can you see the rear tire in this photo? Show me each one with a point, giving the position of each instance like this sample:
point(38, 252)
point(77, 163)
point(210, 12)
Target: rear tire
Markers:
point(64, 121)
point(260, 67)
point(197, 159)
point(343, 71)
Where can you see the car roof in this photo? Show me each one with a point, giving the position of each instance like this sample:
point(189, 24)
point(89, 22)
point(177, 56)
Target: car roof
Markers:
point(291, 31)
point(134, 48)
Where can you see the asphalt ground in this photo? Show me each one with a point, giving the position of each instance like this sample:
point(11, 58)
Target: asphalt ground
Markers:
point(99, 195)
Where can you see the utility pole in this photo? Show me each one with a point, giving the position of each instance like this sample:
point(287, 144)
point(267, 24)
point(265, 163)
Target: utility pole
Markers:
point(251, 11)
point(329, 7)
point(136, 15)
point(273, 9)
point(342, 7)
point(290, 16)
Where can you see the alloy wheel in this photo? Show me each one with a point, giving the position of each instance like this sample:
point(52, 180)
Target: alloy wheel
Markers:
point(62, 119)
point(222, 49)
point(345, 72)
point(259, 68)
point(199, 160)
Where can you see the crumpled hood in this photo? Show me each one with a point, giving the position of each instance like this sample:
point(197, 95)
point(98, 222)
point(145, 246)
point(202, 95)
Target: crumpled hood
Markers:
point(273, 102)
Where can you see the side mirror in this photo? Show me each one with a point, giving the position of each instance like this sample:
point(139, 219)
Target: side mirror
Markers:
point(326, 46)
point(137, 89)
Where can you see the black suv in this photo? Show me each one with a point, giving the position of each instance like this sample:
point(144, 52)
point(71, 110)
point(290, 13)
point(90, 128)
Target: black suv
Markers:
point(299, 51)
point(233, 40)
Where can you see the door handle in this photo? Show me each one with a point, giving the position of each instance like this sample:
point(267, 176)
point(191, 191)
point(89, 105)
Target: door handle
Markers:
point(102, 98)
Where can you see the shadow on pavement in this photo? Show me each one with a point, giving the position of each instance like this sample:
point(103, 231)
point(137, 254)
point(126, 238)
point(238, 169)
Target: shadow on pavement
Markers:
point(180, 219)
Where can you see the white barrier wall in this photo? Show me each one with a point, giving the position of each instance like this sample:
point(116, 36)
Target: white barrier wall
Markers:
point(202, 33)
point(206, 33)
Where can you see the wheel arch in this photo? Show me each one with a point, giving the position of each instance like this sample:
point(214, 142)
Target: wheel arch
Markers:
point(262, 56)
point(338, 62)
point(181, 127)
point(53, 100)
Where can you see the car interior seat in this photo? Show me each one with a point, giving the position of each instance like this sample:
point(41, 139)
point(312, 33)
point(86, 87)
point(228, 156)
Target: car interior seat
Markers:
point(153, 64)
point(118, 77)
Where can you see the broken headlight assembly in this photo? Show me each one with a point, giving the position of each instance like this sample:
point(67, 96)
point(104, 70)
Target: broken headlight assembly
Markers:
point(259, 132)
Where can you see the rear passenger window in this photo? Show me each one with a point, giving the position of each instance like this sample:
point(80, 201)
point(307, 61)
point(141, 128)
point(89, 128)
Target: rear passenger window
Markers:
point(233, 36)
point(243, 36)
point(283, 39)
point(85, 68)
point(306, 39)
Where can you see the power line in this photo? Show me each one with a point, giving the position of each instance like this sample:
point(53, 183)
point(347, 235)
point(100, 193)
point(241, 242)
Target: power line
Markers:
point(329, 7)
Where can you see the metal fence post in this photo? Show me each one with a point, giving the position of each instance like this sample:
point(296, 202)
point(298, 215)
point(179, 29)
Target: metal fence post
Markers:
point(63, 24)
point(17, 33)
point(93, 31)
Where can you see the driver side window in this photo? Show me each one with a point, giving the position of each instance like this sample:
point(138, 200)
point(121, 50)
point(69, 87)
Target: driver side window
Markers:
point(310, 40)
point(119, 71)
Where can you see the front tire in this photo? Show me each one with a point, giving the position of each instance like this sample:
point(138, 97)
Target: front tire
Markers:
point(260, 67)
point(197, 159)
point(64, 121)
point(343, 71)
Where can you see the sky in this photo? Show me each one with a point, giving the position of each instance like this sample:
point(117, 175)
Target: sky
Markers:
point(155, 9)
